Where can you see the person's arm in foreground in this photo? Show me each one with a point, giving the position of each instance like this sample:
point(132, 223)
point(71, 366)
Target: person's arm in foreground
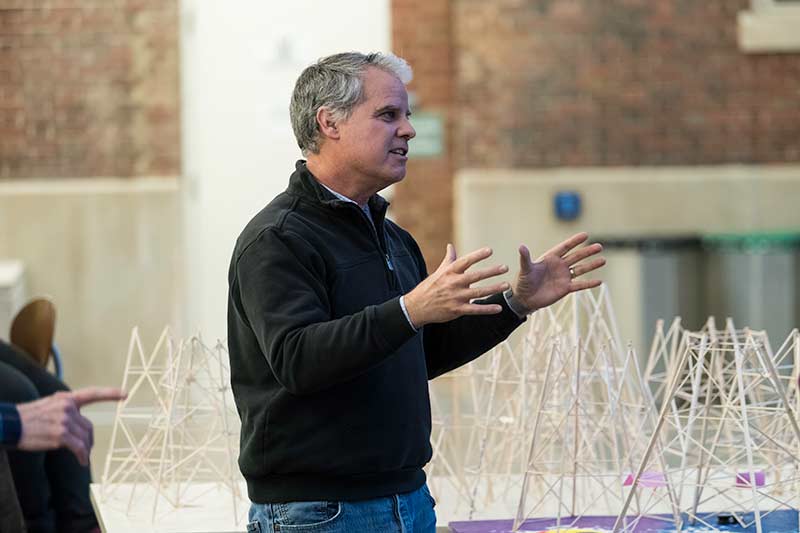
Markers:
point(456, 329)
point(55, 421)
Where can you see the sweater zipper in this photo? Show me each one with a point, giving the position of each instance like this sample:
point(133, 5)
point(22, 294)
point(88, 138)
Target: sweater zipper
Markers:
point(393, 282)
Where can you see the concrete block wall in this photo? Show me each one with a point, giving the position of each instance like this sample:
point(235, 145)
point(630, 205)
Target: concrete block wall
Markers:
point(506, 208)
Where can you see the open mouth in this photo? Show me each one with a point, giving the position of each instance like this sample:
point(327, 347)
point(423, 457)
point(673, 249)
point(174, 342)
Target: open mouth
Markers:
point(399, 151)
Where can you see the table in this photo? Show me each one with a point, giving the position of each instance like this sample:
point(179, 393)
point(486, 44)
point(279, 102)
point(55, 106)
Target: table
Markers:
point(783, 521)
point(209, 508)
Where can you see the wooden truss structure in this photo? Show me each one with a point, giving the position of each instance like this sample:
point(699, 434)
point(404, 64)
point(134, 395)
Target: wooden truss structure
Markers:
point(727, 427)
point(480, 414)
point(545, 425)
point(590, 428)
point(178, 427)
point(565, 423)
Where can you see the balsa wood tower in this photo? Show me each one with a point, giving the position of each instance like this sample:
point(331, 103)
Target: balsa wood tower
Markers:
point(177, 430)
point(727, 427)
point(591, 423)
point(549, 424)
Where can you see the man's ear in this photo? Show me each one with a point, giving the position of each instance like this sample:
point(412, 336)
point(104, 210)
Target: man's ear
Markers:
point(326, 121)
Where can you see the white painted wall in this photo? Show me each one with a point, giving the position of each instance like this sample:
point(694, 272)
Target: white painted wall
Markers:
point(238, 67)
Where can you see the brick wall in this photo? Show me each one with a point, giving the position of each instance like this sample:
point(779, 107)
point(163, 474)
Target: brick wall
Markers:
point(619, 82)
point(423, 203)
point(545, 83)
point(89, 88)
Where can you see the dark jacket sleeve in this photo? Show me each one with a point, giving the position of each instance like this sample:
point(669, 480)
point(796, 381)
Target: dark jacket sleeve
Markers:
point(280, 283)
point(10, 425)
point(450, 345)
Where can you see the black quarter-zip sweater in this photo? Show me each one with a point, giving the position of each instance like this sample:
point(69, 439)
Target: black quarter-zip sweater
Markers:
point(330, 379)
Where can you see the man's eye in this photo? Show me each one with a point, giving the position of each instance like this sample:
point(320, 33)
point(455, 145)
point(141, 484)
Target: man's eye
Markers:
point(388, 114)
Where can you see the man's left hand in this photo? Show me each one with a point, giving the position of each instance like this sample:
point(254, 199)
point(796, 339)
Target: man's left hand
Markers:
point(555, 273)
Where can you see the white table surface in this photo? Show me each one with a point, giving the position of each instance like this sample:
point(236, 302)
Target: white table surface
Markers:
point(209, 508)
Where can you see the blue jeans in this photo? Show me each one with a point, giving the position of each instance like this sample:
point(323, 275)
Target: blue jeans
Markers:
point(411, 512)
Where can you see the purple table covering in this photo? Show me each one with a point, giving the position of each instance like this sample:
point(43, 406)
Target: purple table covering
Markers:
point(783, 521)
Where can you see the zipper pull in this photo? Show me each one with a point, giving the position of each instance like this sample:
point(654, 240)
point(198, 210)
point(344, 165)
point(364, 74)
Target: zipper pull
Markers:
point(389, 263)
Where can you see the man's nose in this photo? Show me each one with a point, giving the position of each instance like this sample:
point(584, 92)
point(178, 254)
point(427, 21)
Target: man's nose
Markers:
point(407, 130)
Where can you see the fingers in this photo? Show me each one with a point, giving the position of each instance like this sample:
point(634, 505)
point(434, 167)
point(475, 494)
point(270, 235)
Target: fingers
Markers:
point(53, 422)
point(85, 430)
point(524, 259)
point(77, 431)
point(584, 268)
point(97, 394)
point(483, 292)
point(580, 285)
point(485, 273)
point(70, 429)
point(564, 247)
point(449, 255)
point(461, 264)
point(448, 293)
point(77, 446)
point(583, 253)
point(478, 309)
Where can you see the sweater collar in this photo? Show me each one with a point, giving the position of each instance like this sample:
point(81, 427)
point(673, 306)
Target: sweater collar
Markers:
point(303, 183)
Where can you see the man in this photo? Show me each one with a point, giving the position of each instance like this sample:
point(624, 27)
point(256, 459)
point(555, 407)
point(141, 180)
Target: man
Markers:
point(335, 328)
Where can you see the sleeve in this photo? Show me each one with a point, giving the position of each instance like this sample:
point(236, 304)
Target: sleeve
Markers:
point(281, 284)
point(10, 425)
point(452, 344)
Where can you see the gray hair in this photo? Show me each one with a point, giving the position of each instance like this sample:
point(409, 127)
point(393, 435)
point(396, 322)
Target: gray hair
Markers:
point(335, 82)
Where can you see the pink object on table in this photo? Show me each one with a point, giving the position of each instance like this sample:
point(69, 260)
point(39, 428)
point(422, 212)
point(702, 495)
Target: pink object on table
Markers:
point(648, 479)
point(743, 478)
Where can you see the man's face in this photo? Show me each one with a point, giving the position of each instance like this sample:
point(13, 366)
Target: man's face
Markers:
point(373, 143)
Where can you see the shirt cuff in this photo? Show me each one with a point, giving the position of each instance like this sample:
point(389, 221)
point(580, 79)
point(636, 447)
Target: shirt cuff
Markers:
point(405, 312)
point(514, 305)
point(10, 425)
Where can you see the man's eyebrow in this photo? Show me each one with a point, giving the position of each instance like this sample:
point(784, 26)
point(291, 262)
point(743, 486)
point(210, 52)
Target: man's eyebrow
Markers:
point(385, 108)
point(391, 107)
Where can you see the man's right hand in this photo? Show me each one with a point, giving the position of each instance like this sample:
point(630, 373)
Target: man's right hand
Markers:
point(55, 421)
point(447, 293)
